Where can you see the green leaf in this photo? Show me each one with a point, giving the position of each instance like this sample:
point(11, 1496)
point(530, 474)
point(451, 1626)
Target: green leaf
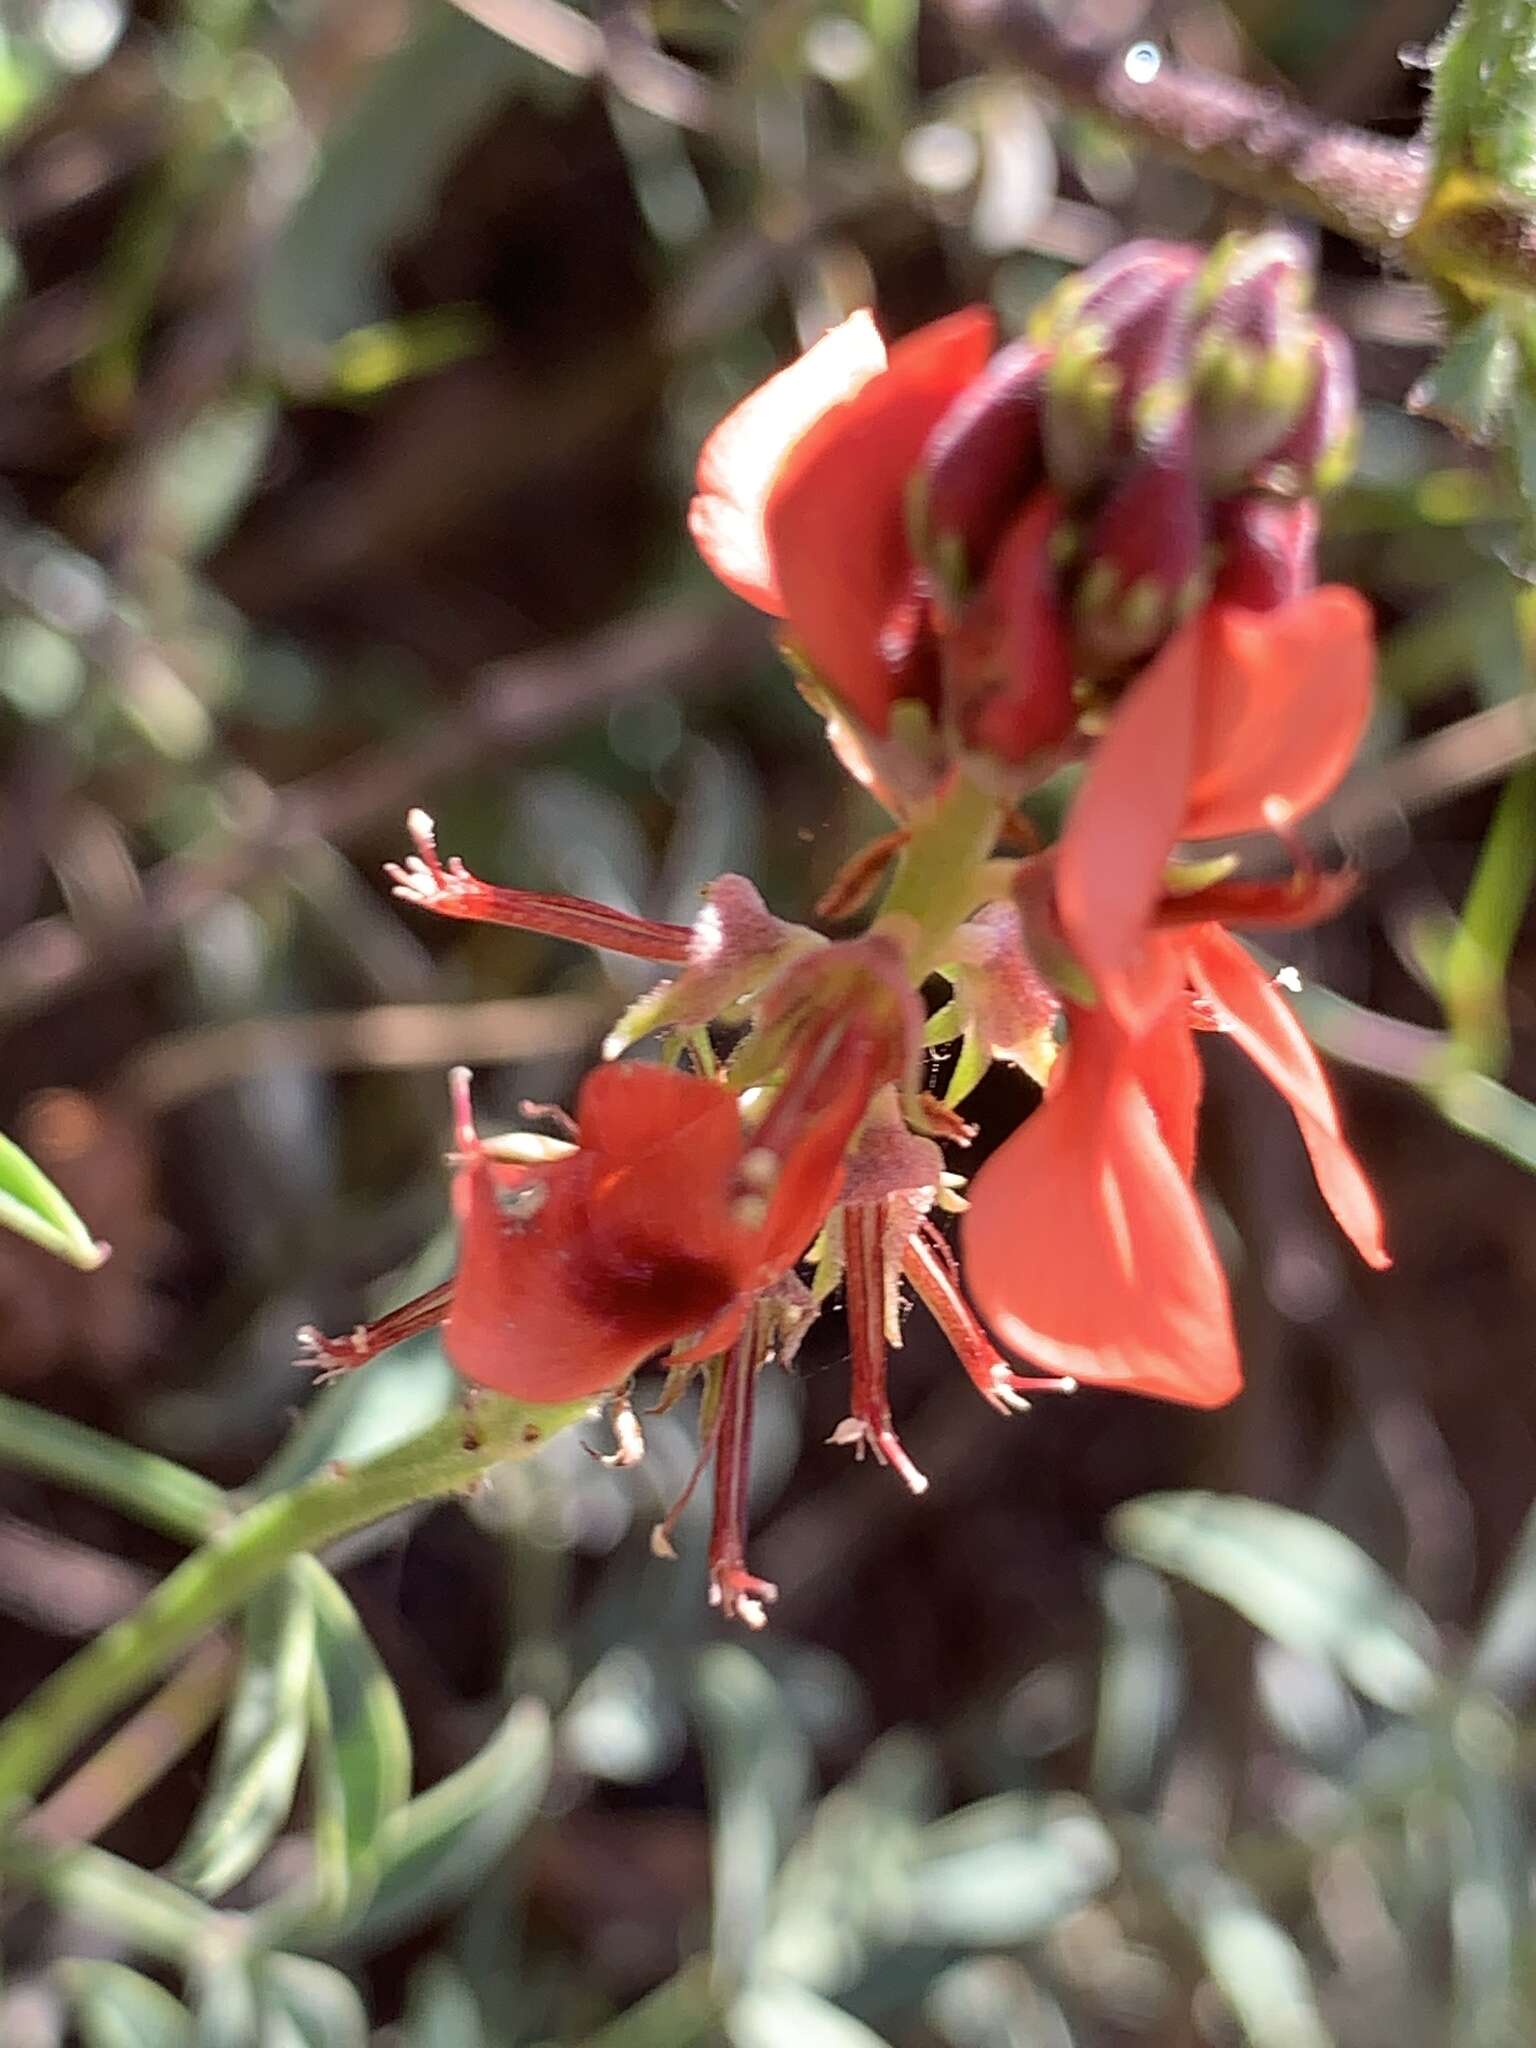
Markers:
point(32, 1206)
point(261, 1742)
point(1005, 1870)
point(142, 1911)
point(1503, 1657)
point(1252, 1960)
point(759, 1768)
point(1470, 388)
point(772, 2014)
point(321, 2007)
point(117, 2008)
point(1295, 1579)
point(1141, 1686)
point(1482, 112)
point(437, 1848)
point(441, 2009)
point(685, 2012)
point(360, 1752)
point(849, 1875)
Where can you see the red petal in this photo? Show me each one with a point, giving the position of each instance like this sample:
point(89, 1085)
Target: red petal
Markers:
point(836, 517)
point(1016, 627)
point(1251, 1010)
point(1129, 811)
point(743, 456)
point(1086, 1249)
point(1173, 1080)
point(1285, 698)
point(664, 1147)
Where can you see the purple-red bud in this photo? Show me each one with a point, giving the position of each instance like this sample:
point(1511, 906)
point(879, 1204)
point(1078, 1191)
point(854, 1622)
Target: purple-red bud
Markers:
point(1144, 566)
point(981, 462)
point(1118, 378)
point(1319, 451)
point(1268, 551)
point(1254, 366)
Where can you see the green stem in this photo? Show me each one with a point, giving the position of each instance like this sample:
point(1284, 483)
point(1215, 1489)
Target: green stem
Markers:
point(151, 1489)
point(1476, 960)
point(240, 1556)
point(940, 877)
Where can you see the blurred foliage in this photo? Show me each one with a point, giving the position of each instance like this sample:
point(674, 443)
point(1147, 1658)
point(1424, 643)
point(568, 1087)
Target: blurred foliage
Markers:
point(354, 357)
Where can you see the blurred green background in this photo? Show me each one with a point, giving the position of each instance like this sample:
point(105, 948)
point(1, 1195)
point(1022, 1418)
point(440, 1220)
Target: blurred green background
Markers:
point(354, 355)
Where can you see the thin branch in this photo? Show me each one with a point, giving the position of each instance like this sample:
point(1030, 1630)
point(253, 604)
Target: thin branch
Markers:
point(1261, 143)
point(513, 705)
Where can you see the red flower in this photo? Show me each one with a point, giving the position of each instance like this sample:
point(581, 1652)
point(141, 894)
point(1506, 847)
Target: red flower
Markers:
point(1241, 710)
point(1085, 1246)
point(801, 498)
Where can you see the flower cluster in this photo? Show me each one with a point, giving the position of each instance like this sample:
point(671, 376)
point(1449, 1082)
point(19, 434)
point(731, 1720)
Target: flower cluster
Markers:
point(1091, 548)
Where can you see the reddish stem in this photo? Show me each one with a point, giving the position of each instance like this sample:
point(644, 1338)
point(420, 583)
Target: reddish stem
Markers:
point(332, 1355)
point(732, 1588)
point(929, 1267)
point(864, 1287)
point(448, 889)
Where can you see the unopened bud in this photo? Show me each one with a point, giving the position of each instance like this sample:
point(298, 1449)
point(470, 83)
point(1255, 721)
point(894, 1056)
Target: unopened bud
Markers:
point(1254, 363)
point(1144, 564)
point(980, 464)
point(1319, 451)
point(1008, 668)
point(1268, 550)
point(1118, 377)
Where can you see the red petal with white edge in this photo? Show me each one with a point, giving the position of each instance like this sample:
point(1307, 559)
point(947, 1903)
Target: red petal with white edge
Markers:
point(1129, 811)
point(742, 457)
point(1251, 1010)
point(1085, 1248)
point(1285, 699)
point(836, 516)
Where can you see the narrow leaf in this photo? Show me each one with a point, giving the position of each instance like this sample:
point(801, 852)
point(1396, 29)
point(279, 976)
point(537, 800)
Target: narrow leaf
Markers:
point(362, 1754)
point(321, 2006)
point(117, 2008)
point(773, 2013)
point(1504, 1657)
point(1295, 1579)
point(1252, 1960)
point(261, 1743)
point(32, 1206)
point(1005, 1870)
point(1141, 1686)
point(759, 1771)
point(437, 1848)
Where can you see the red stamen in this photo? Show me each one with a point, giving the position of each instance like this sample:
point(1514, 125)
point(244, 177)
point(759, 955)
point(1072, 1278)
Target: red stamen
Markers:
point(929, 1266)
point(331, 1356)
point(855, 881)
point(738, 1594)
point(448, 889)
point(864, 1287)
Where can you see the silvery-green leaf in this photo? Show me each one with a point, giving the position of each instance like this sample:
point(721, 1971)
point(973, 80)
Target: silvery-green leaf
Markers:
point(1295, 1579)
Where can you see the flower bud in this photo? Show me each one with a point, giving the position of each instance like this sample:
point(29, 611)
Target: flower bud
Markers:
point(1118, 375)
point(1254, 364)
point(1268, 550)
point(980, 464)
point(1319, 451)
point(1144, 566)
point(1008, 666)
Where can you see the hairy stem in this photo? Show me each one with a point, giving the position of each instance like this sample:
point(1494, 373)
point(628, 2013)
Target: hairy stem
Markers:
point(1258, 142)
